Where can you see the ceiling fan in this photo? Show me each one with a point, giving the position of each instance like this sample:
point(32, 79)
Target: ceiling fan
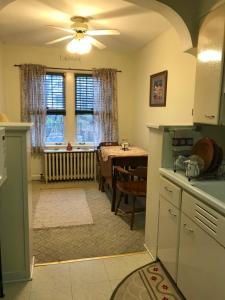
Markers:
point(82, 38)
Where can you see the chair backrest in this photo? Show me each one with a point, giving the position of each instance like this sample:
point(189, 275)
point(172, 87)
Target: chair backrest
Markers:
point(106, 144)
point(130, 162)
point(140, 172)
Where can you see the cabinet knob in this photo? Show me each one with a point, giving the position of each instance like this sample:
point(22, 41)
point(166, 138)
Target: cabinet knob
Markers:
point(210, 116)
point(167, 189)
point(171, 212)
point(189, 229)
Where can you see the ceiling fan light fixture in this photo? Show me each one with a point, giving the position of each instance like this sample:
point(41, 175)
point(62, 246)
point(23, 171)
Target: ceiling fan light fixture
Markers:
point(79, 46)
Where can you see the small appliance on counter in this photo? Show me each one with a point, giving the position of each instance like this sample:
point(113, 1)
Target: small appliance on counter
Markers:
point(2, 179)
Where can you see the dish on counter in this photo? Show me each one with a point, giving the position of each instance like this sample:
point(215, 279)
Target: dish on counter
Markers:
point(205, 149)
point(210, 152)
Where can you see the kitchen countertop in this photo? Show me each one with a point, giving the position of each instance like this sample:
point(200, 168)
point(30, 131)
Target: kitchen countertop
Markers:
point(211, 192)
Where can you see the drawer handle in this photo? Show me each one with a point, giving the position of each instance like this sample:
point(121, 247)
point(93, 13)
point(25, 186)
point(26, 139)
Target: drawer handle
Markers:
point(167, 189)
point(210, 116)
point(171, 212)
point(189, 229)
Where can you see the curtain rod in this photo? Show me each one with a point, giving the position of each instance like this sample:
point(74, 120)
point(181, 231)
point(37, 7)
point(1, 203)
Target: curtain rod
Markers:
point(69, 69)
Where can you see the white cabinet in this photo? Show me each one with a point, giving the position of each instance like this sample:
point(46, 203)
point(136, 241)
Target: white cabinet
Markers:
point(169, 222)
point(209, 71)
point(168, 235)
point(201, 264)
point(191, 243)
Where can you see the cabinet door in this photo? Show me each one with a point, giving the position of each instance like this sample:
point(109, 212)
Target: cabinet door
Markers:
point(201, 264)
point(168, 236)
point(209, 69)
point(15, 217)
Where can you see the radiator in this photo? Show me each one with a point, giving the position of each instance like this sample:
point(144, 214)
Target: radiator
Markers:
point(75, 165)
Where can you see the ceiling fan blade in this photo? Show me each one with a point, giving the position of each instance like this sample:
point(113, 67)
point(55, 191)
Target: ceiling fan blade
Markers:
point(96, 43)
point(63, 29)
point(103, 32)
point(59, 40)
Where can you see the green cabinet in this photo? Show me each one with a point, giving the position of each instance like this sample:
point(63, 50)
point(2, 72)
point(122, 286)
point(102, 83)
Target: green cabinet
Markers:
point(16, 205)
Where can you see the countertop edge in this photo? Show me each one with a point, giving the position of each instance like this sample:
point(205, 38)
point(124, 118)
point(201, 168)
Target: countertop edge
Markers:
point(15, 125)
point(208, 199)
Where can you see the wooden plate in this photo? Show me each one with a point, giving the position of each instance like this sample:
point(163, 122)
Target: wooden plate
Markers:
point(205, 149)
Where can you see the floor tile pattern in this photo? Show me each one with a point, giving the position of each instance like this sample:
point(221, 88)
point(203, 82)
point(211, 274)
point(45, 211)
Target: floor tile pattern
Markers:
point(93, 279)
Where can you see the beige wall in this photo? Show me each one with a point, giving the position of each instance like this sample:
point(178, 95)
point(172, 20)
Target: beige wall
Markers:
point(163, 53)
point(59, 58)
point(1, 81)
point(56, 58)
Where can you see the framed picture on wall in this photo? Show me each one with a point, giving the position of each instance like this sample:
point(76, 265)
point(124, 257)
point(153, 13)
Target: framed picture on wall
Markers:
point(158, 88)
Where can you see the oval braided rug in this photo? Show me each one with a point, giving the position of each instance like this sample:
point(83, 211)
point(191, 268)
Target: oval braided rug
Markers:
point(145, 283)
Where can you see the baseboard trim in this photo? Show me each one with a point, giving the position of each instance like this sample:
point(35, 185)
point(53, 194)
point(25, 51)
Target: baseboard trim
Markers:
point(32, 267)
point(35, 177)
point(149, 252)
point(22, 276)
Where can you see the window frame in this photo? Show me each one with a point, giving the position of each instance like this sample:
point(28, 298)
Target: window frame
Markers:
point(70, 130)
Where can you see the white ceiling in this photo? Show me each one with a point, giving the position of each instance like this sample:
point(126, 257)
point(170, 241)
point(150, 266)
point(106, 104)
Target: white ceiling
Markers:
point(24, 22)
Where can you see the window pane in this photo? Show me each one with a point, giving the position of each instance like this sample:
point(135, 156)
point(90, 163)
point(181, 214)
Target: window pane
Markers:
point(84, 128)
point(54, 128)
point(84, 93)
point(55, 96)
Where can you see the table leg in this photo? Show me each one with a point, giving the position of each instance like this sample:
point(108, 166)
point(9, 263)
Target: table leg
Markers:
point(113, 203)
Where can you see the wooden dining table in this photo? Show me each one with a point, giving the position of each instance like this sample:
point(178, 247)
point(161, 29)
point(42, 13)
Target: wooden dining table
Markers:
point(114, 156)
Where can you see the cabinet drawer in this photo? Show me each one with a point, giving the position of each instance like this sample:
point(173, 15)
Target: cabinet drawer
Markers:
point(170, 192)
point(206, 217)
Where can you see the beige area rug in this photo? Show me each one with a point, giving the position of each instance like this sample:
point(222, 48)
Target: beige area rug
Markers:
point(61, 208)
point(146, 283)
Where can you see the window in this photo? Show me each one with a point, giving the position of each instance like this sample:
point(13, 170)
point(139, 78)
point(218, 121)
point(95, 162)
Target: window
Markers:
point(55, 102)
point(84, 103)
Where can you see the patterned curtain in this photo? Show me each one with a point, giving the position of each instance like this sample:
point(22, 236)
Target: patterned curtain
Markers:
point(33, 106)
point(105, 105)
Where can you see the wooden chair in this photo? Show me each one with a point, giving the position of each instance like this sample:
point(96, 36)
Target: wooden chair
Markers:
point(103, 169)
point(132, 184)
point(107, 144)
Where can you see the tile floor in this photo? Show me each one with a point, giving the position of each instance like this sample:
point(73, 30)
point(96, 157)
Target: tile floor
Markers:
point(93, 279)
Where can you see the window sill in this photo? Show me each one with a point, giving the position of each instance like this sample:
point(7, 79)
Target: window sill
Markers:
point(76, 147)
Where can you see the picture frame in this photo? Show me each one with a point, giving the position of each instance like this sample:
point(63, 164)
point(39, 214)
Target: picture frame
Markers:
point(158, 89)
